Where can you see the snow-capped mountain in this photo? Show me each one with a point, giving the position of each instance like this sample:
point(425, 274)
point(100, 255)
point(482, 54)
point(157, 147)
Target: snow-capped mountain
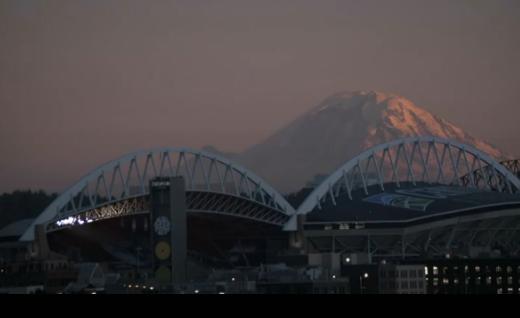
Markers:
point(338, 129)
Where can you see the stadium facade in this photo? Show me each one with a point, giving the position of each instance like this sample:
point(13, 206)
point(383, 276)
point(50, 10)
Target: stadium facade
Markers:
point(385, 221)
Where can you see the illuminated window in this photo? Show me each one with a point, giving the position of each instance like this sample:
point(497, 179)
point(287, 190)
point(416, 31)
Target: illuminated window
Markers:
point(509, 269)
point(456, 281)
point(498, 269)
point(477, 281)
point(477, 269)
point(445, 281)
point(488, 280)
point(499, 280)
point(425, 270)
point(510, 280)
point(436, 270)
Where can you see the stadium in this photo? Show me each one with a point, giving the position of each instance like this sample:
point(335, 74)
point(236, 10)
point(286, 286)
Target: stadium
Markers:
point(187, 220)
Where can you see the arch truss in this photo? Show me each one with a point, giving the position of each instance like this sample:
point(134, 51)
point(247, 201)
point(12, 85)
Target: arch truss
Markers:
point(412, 161)
point(113, 188)
point(482, 175)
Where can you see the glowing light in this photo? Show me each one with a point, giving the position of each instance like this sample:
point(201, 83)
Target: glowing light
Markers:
point(196, 291)
point(152, 288)
point(232, 279)
point(333, 276)
point(365, 275)
point(347, 259)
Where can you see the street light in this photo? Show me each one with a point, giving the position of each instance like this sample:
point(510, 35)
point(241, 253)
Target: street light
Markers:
point(365, 275)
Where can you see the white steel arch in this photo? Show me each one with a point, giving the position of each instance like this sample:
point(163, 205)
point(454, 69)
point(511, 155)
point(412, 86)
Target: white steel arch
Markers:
point(127, 177)
point(422, 159)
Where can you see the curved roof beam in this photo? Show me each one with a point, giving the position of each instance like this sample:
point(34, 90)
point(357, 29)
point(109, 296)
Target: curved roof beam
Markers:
point(456, 160)
point(105, 176)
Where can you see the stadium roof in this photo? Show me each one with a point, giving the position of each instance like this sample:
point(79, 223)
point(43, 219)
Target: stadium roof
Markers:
point(410, 203)
point(16, 228)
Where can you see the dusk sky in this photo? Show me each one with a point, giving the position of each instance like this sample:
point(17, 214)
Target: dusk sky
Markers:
point(83, 82)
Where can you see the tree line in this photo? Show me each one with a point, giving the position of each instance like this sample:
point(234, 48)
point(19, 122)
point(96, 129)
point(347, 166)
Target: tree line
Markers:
point(23, 204)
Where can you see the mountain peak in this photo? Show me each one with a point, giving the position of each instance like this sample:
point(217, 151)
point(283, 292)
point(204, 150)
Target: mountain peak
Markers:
point(365, 99)
point(340, 127)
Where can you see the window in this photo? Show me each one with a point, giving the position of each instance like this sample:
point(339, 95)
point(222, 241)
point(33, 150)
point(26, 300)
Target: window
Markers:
point(413, 284)
point(477, 269)
point(498, 269)
point(488, 280)
point(404, 285)
point(510, 280)
point(445, 281)
point(436, 270)
point(477, 281)
point(499, 280)
point(421, 285)
point(509, 269)
point(404, 274)
point(413, 274)
point(420, 273)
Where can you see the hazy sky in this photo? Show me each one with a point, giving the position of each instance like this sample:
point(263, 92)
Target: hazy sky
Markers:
point(82, 82)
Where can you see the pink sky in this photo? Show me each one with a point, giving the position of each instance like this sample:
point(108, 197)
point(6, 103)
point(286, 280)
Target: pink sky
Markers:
point(82, 82)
